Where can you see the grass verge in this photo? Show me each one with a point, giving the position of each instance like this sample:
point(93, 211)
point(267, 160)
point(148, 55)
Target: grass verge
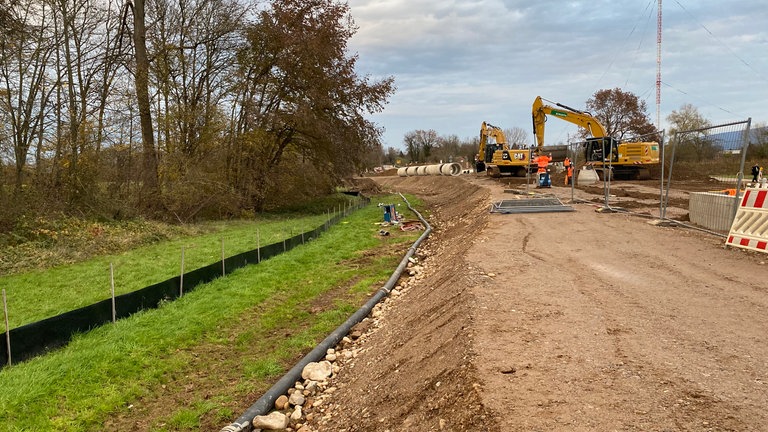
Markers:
point(44, 293)
point(196, 363)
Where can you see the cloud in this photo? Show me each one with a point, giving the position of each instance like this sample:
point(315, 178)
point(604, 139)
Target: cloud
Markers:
point(458, 63)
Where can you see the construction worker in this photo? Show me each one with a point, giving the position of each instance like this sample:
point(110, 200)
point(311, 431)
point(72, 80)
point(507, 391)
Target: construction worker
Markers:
point(542, 161)
point(568, 170)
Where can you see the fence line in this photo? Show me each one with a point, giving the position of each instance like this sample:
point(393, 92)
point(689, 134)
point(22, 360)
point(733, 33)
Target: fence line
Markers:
point(29, 340)
point(723, 150)
point(719, 151)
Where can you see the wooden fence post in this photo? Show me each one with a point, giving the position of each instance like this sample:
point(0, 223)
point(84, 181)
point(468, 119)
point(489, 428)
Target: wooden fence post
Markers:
point(181, 278)
point(112, 288)
point(7, 328)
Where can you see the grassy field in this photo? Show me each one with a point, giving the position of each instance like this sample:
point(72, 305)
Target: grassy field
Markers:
point(193, 363)
point(46, 292)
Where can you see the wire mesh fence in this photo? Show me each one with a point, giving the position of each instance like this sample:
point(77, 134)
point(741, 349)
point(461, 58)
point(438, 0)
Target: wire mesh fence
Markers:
point(698, 174)
point(35, 338)
point(708, 162)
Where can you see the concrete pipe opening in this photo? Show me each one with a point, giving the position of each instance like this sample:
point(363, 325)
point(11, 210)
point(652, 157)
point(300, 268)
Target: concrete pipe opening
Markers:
point(402, 172)
point(451, 169)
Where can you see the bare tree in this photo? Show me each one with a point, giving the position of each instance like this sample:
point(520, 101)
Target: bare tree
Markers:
point(691, 145)
point(150, 190)
point(412, 146)
point(22, 71)
point(516, 136)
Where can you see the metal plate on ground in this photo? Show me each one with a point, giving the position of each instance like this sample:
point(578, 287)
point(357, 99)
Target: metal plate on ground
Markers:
point(530, 205)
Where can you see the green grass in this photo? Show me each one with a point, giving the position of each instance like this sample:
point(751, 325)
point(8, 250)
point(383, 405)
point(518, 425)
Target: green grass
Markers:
point(241, 331)
point(44, 293)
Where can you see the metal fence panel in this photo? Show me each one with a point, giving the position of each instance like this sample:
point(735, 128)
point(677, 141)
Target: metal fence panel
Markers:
point(709, 159)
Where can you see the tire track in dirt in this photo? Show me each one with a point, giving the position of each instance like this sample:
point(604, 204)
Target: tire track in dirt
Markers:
point(571, 321)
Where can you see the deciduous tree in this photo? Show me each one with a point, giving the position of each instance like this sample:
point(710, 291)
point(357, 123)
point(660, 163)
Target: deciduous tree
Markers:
point(300, 95)
point(621, 113)
point(516, 135)
point(689, 134)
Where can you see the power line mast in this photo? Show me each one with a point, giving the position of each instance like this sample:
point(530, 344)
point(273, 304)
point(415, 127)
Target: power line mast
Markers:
point(658, 69)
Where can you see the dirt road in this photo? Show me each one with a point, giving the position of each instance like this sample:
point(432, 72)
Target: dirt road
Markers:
point(578, 321)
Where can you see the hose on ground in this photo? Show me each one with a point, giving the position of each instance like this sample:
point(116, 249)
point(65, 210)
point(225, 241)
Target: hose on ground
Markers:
point(265, 403)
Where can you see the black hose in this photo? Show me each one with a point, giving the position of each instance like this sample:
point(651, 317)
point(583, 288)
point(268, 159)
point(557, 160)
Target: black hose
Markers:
point(267, 401)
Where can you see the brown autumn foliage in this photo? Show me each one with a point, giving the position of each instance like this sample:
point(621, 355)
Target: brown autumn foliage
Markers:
point(250, 108)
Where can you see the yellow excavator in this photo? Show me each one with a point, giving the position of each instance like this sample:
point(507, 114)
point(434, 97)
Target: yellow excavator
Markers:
point(497, 158)
point(626, 159)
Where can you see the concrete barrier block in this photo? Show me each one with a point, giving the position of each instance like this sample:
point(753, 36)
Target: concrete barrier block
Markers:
point(711, 210)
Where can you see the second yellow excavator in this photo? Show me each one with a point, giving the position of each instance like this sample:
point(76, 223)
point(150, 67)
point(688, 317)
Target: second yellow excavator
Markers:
point(626, 159)
point(497, 157)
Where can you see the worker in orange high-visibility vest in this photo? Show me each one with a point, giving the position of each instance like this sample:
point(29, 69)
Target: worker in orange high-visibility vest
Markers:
point(542, 161)
point(568, 170)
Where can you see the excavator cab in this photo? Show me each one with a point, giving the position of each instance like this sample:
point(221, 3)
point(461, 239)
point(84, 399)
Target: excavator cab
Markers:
point(601, 149)
point(490, 149)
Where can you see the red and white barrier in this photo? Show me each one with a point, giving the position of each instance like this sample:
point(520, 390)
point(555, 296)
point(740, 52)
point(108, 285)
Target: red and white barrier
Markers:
point(750, 226)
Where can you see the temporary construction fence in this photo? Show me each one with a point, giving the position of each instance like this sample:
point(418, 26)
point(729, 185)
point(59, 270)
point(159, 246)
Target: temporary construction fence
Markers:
point(716, 153)
point(27, 341)
point(719, 152)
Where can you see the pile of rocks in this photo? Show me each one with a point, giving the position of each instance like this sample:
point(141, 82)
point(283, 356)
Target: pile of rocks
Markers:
point(306, 402)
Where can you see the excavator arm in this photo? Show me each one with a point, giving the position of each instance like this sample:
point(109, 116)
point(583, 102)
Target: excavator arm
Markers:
point(625, 159)
point(489, 130)
point(539, 112)
point(484, 153)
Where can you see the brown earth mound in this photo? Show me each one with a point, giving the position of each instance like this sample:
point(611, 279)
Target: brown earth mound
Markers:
point(416, 371)
point(569, 321)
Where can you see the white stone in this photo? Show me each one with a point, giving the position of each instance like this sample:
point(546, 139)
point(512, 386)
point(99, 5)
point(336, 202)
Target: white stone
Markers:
point(296, 399)
point(272, 421)
point(296, 415)
point(317, 371)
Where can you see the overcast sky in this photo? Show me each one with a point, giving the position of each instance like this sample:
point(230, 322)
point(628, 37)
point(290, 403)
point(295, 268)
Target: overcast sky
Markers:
point(457, 63)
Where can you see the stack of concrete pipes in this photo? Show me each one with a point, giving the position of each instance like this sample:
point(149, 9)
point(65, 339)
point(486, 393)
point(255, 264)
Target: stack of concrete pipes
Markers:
point(446, 169)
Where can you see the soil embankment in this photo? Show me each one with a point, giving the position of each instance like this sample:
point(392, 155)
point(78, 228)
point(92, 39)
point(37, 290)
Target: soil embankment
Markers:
point(578, 321)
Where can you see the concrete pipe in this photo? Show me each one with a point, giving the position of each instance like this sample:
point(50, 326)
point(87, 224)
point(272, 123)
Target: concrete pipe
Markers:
point(451, 169)
point(402, 172)
point(433, 169)
point(410, 171)
point(421, 170)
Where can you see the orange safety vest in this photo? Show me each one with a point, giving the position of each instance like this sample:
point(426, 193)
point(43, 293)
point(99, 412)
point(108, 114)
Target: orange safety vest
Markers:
point(542, 161)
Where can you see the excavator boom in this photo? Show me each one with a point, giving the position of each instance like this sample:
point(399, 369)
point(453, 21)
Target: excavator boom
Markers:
point(600, 151)
point(582, 119)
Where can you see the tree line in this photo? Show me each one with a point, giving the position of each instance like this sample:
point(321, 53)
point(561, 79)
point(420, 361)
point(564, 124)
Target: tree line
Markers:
point(622, 113)
point(180, 109)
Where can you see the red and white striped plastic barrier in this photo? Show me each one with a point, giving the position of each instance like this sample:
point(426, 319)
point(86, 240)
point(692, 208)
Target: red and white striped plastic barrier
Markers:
point(750, 226)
